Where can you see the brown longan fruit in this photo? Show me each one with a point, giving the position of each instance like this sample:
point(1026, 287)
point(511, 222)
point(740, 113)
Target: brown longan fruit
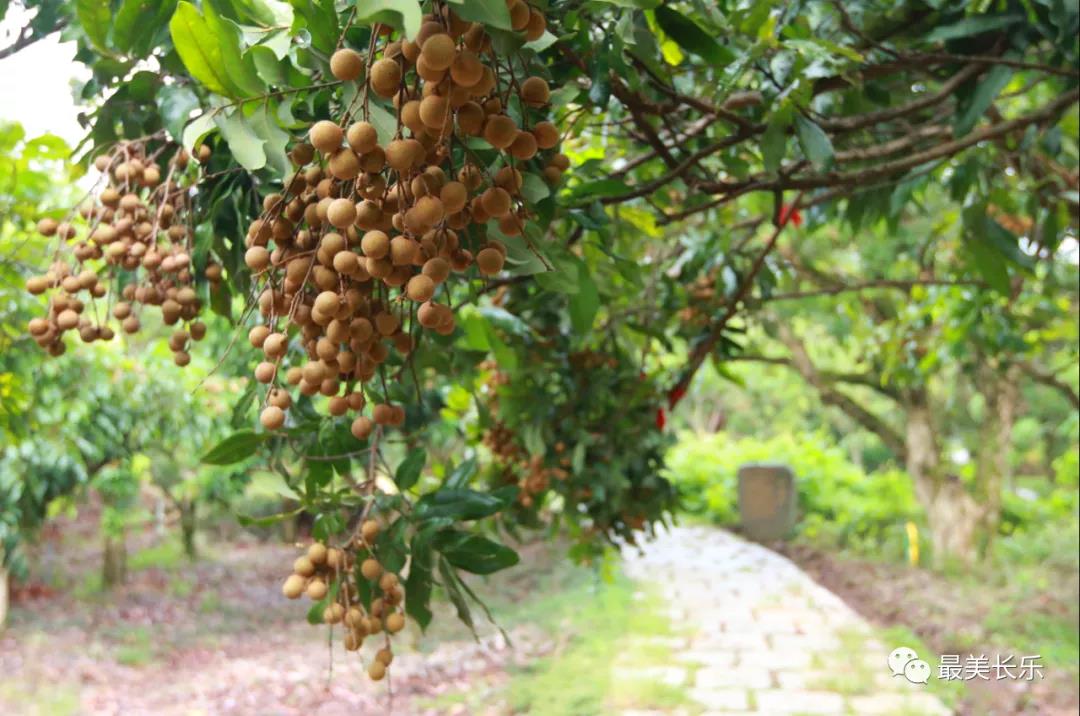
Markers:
point(362, 137)
point(434, 111)
point(453, 196)
point(316, 589)
point(466, 70)
point(346, 65)
point(383, 414)
point(437, 52)
point(489, 261)
point(496, 201)
point(470, 119)
point(344, 165)
point(535, 92)
point(257, 258)
point(293, 586)
point(362, 427)
point(275, 344)
point(375, 244)
point(47, 226)
point(341, 213)
point(302, 154)
point(371, 569)
point(560, 162)
point(317, 553)
point(436, 268)
point(384, 656)
point(303, 566)
point(420, 288)
point(536, 25)
point(37, 285)
point(333, 613)
point(272, 417)
point(388, 581)
point(500, 131)
point(369, 530)
point(377, 670)
point(524, 146)
point(402, 251)
point(394, 623)
point(519, 14)
point(547, 136)
point(325, 136)
point(385, 78)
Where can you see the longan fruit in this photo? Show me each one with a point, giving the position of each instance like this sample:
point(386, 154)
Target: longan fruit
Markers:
point(500, 131)
point(377, 670)
point(438, 51)
point(402, 251)
point(369, 530)
point(335, 558)
point(370, 569)
point(257, 258)
point(466, 70)
point(333, 614)
point(420, 288)
point(272, 417)
point(496, 201)
point(375, 244)
point(547, 135)
point(341, 213)
point(302, 154)
point(524, 146)
point(560, 162)
point(293, 586)
point(346, 65)
point(489, 261)
point(317, 553)
point(434, 111)
point(385, 78)
point(47, 226)
point(352, 641)
point(275, 345)
point(362, 427)
point(519, 14)
point(344, 164)
point(535, 92)
point(395, 623)
point(436, 268)
point(303, 566)
point(388, 581)
point(316, 589)
point(362, 137)
point(384, 656)
point(536, 25)
point(325, 136)
point(470, 119)
point(454, 196)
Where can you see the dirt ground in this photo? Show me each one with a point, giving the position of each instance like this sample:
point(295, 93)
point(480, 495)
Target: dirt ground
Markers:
point(950, 617)
point(215, 637)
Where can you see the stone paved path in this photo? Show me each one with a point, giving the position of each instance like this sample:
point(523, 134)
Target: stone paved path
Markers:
point(762, 637)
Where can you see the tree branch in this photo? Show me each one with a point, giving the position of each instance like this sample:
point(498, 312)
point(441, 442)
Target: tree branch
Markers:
point(1050, 380)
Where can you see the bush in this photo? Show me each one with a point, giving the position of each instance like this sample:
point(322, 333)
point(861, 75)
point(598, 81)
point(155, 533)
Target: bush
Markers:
point(840, 505)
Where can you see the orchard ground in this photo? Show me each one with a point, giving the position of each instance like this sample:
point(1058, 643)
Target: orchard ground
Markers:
point(700, 622)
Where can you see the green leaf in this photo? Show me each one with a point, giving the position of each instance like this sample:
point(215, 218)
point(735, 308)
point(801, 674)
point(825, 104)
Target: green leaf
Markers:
point(238, 446)
point(244, 143)
point(452, 584)
point(474, 553)
point(95, 17)
point(137, 22)
point(975, 25)
point(459, 477)
point(492, 13)
point(985, 91)
point(774, 142)
point(990, 264)
point(419, 582)
point(390, 546)
point(240, 71)
point(176, 102)
point(403, 15)
point(199, 49)
point(408, 472)
point(814, 142)
point(585, 303)
point(268, 65)
point(274, 138)
point(691, 37)
point(459, 504)
point(197, 129)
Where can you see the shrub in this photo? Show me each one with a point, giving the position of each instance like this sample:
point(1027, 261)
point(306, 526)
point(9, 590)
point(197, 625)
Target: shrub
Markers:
point(840, 504)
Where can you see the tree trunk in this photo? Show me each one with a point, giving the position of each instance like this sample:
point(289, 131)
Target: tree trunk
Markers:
point(952, 514)
point(4, 583)
point(993, 468)
point(187, 527)
point(115, 565)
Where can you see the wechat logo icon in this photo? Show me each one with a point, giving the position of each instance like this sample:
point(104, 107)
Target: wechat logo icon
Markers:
point(903, 661)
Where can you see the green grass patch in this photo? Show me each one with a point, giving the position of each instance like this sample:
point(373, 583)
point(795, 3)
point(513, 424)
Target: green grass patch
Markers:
point(168, 555)
point(136, 647)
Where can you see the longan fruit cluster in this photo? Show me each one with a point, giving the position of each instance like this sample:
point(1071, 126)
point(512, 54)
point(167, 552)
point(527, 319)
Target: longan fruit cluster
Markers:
point(320, 567)
point(135, 230)
point(351, 256)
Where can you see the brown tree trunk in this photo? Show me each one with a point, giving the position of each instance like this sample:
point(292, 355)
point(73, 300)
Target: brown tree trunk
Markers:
point(187, 527)
point(4, 584)
point(993, 469)
point(952, 514)
point(114, 570)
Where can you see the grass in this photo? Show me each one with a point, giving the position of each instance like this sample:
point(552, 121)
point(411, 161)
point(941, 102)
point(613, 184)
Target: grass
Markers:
point(137, 647)
point(167, 554)
point(58, 700)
